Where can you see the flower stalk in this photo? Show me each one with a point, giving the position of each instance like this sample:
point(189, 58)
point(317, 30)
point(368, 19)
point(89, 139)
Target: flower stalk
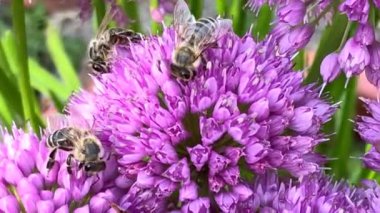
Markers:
point(18, 20)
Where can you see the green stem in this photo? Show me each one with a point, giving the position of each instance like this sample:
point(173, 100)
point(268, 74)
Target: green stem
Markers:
point(100, 10)
point(18, 20)
point(196, 7)
point(345, 35)
point(132, 11)
point(155, 27)
point(344, 137)
point(221, 7)
point(238, 16)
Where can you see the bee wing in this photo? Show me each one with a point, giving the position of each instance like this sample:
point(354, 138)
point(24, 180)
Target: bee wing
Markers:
point(106, 20)
point(222, 26)
point(55, 122)
point(183, 19)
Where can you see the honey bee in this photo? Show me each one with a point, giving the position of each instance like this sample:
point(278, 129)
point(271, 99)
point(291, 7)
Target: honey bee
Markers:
point(193, 38)
point(83, 146)
point(101, 46)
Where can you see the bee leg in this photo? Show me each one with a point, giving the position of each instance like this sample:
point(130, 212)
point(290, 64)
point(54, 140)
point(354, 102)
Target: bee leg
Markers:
point(117, 208)
point(81, 164)
point(68, 163)
point(51, 160)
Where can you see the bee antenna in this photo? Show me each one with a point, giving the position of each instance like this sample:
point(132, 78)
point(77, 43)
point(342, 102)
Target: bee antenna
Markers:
point(97, 179)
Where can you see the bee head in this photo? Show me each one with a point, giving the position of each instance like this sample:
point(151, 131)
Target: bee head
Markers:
point(94, 166)
point(184, 73)
point(99, 67)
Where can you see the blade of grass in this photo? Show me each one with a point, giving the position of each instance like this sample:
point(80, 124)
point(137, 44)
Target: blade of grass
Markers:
point(262, 24)
point(41, 79)
point(45, 82)
point(4, 64)
point(61, 60)
point(5, 113)
point(18, 21)
point(344, 136)
point(132, 11)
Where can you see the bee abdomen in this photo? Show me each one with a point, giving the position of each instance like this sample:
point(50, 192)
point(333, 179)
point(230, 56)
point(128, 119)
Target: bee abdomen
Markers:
point(51, 143)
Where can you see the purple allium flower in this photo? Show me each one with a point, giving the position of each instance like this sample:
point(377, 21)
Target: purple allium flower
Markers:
point(356, 10)
point(296, 39)
point(164, 7)
point(330, 68)
point(369, 129)
point(314, 193)
point(372, 71)
point(365, 34)
point(376, 3)
point(353, 58)
point(189, 145)
point(292, 12)
point(24, 176)
point(256, 4)
point(85, 12)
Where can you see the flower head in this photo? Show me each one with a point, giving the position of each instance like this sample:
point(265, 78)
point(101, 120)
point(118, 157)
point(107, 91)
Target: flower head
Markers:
point(296, 39)
point(245, 108)
point(373, 69)
point(353, 58)
point(330, 68)
point(356, 10)
point(365, 34)
point(292, 12)
point(164, 7)
point(369, 129)
point(314, 193)
point(23, 160)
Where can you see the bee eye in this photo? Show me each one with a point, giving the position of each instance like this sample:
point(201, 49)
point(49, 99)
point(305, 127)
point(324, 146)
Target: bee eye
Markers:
point(87, 167)
point(186, 75)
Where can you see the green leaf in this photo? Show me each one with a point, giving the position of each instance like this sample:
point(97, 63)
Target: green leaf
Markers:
point(40, 78)
point(344, 137)
point(5, 113)
point(45, 82)
point(61, 60)
point(221, 7)
point(262, 24)
point(238, 15)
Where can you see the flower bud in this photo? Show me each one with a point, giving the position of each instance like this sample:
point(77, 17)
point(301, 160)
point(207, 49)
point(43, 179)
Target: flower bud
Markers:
point(292, 12)
point(330, 68)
